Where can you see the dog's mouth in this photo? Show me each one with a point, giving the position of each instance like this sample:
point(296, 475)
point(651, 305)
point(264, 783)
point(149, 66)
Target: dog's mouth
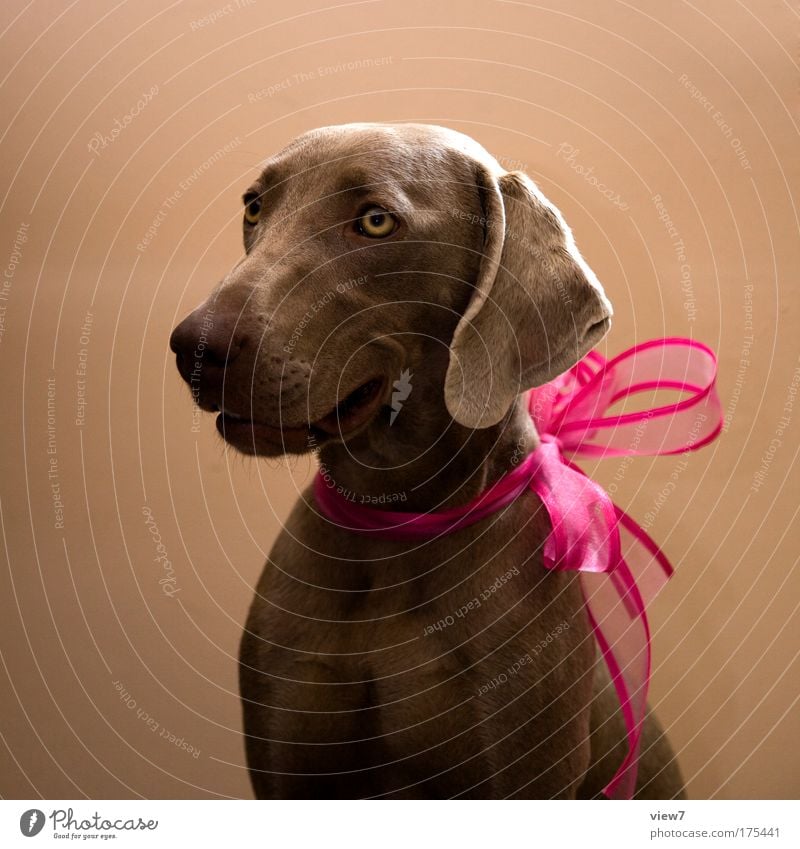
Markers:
point(343, 421)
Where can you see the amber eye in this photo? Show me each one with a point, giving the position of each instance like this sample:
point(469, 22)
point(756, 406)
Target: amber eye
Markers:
point(252, 209)
point(376, 223)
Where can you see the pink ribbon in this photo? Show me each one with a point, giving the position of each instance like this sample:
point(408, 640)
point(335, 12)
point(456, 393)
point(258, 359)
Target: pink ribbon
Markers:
point(621, 568)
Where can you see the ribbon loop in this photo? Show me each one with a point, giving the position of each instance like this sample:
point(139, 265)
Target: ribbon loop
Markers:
point(576, 407)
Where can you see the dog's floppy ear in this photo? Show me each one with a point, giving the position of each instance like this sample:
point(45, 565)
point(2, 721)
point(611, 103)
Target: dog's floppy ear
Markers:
point(537, 308)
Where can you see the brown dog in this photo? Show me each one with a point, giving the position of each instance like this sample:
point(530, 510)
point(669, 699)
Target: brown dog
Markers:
point(399, 291)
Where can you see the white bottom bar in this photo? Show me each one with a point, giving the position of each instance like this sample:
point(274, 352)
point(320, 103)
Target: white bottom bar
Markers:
point(400, 825)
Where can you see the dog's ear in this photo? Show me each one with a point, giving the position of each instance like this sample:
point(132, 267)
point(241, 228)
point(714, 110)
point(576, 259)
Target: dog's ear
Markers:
point(536, 309)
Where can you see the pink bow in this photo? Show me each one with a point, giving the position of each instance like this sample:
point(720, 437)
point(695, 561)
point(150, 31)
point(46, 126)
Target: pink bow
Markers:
point(620, 565)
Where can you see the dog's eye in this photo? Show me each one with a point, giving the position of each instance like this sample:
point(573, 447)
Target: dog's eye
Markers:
point(376, 222)
point(252, 209)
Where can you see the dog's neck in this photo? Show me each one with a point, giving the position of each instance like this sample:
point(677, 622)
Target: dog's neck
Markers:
point(424, 460)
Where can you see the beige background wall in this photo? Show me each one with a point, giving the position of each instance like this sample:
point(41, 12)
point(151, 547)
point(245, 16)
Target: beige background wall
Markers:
point(696, 103)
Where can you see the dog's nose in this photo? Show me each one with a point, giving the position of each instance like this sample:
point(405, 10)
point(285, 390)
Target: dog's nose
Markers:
point(207, 341)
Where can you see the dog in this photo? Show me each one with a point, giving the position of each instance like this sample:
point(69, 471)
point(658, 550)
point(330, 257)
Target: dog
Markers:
point(399, 293)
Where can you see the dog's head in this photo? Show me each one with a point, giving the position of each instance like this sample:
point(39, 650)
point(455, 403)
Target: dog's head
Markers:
point(375, 252)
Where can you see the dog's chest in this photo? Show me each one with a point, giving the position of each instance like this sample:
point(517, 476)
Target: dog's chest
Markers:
point(469, 601)
point(463, 651)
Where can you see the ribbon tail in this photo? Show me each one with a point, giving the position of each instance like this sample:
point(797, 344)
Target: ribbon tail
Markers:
point(617, 616)
point(587, 536)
